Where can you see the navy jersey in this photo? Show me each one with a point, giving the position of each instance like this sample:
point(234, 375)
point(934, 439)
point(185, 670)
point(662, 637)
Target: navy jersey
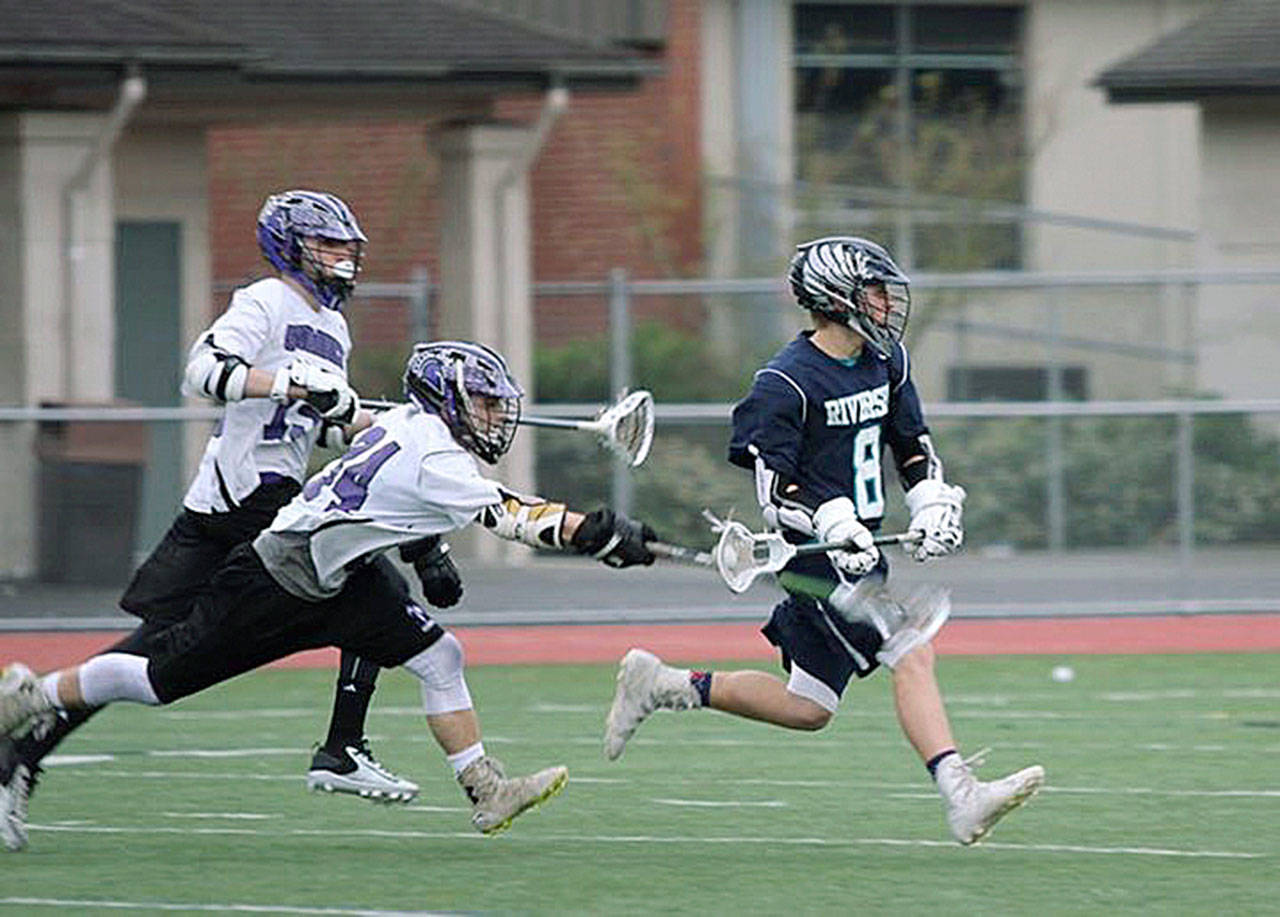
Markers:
point(814, 428)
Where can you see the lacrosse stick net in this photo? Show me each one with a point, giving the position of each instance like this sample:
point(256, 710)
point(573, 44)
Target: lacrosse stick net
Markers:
point(626, 428)
point(742, 555)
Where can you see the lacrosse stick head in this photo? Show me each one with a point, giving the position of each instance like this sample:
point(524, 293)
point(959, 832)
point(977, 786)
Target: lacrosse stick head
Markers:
point(626, 428)
point(741, 555)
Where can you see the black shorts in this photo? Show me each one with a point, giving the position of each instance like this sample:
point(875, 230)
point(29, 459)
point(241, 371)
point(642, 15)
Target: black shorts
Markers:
point(246, 620)
point(164, 588)
point(822, 643)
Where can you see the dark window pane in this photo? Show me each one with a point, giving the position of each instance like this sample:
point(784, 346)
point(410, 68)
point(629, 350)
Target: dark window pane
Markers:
point(967, 246)
point(989, 92)
point(839, 91)
point(1012, 383)
point(966, 29)
point(844, 126)
point(841, 28)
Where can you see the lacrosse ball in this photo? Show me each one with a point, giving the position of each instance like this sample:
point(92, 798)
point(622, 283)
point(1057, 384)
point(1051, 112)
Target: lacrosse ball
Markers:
point(1063, 674)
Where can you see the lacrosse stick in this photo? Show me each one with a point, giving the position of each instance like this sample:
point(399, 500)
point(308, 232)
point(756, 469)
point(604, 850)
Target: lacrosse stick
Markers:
point(625, 428)
point(742, 555)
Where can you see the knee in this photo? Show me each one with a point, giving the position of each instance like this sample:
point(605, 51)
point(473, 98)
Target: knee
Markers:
point(809, 716)
point(917, 663)
point(440, 669)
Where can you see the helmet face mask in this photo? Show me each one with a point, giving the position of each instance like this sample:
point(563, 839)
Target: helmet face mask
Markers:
point(314, 239)
point(471, 389)
point(855, 283)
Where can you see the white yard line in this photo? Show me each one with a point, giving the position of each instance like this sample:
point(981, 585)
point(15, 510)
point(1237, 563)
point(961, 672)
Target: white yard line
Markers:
point(722, 804)
point(80, 904)
point(230, 816)
point(1243, 792)
point(539, 839)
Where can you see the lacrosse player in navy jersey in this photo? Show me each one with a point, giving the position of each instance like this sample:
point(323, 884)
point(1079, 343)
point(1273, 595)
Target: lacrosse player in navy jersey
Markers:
point(813, 430)
point(277, 358)
point(318, 576)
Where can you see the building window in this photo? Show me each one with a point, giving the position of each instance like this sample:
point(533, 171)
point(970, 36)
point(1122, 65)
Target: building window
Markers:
point(1013, 383)
point(909, 128)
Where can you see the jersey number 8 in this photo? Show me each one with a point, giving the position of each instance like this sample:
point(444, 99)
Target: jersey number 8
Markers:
point(867, 484)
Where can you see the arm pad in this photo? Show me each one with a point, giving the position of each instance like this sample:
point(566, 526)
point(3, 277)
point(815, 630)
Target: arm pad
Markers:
point(532, 521)
point(215, 374)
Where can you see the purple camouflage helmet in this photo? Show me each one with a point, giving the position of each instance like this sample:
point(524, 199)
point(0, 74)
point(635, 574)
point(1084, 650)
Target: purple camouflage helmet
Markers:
point(446, 378)
point(289, 221)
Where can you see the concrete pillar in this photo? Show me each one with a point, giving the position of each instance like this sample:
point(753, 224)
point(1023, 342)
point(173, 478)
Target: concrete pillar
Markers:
point(56, 337)
point(485, 270)
point(765, 150)
point(68, 317)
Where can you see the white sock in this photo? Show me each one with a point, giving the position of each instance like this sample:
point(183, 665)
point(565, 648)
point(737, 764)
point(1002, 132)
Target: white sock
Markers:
point(116, 676)
point(460, 760)
point(49, 684)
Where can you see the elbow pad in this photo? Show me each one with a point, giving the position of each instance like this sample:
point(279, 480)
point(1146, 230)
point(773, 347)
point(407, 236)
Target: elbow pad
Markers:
point(217, 375)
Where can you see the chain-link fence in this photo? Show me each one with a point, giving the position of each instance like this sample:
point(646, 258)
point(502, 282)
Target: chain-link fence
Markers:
point(1107, 442)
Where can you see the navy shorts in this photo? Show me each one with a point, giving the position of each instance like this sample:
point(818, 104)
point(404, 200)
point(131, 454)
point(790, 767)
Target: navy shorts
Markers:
point(814, 637)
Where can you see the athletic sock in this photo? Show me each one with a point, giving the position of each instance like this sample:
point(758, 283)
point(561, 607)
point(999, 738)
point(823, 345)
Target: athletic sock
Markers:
point(932, 763)
point(356, 681)
point(701, 682)
point(460, 760)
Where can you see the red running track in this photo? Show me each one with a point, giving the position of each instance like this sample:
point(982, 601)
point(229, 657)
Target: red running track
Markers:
point(710, 642)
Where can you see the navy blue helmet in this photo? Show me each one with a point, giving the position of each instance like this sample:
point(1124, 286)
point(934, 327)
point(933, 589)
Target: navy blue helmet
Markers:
point(854, 282)
point(288, 224)
point(446, 378)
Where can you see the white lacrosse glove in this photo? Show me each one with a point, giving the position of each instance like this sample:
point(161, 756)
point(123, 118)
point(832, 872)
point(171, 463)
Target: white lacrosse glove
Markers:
point(936, 509)
point(837, 520)
point(327, 391)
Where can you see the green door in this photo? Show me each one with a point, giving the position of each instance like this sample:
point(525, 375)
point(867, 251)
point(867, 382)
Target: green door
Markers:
point(149, 359)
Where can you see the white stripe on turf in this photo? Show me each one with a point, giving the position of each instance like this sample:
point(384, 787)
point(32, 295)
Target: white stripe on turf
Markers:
point(747, 781)
point(836, 843)
point(722, 804)
point(80, 904)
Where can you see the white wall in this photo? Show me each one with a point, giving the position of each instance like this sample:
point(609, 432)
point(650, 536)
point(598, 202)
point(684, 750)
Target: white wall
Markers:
point(1130, 163)
point(1239, 326)
point(56, 352)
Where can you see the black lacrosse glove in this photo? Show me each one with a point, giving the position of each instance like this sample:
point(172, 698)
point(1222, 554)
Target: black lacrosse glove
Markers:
point(441, 584)
point(614, 539)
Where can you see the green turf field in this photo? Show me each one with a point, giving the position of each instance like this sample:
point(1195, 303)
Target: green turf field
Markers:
point(1163, 796)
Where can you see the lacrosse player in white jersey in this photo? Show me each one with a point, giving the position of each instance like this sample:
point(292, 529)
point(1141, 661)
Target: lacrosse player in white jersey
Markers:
point(318, 575)
point(277, 358)
point(813, 430)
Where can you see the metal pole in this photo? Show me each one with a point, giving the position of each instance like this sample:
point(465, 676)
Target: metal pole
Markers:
point(621, 490)
point(1056, 471)
point(1186, 487)
point(420, 304)
point(904, 249)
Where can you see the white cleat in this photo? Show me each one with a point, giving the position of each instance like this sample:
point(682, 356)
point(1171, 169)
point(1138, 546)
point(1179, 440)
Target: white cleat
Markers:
point(15, 793)
point(356, 771)
point(645, 684)
point(496, 800)
point(23, 705)
point(974, 807)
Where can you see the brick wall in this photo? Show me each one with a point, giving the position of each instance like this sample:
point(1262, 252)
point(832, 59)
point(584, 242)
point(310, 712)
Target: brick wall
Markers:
point(617, 185)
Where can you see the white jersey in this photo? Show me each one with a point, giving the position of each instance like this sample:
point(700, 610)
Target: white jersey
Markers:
point(268, 325)
point(403, 478)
